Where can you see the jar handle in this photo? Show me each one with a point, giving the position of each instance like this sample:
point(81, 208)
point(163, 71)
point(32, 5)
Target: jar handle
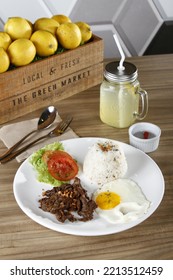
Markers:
point(144, 104)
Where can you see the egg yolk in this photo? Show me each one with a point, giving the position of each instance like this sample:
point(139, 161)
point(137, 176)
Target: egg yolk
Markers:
point(107, 200)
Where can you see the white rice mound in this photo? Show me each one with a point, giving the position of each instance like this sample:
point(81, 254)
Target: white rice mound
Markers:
point(104, 162)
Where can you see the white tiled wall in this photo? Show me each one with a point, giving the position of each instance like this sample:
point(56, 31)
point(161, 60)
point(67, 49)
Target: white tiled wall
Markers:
point(60, 6)
point(165, 7)
point(96, 11)
point(135, 21)
point(31, 9)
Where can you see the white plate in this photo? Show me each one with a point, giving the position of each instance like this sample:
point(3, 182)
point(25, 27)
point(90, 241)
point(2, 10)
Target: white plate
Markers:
point(141, 168)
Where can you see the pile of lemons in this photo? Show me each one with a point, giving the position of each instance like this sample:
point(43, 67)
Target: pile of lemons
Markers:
point(22, 40)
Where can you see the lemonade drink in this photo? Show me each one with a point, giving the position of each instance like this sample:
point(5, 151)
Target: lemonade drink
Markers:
point(120, 96)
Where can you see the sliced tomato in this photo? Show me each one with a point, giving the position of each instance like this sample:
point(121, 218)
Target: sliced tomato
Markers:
point(62, 166)
point(48, 154)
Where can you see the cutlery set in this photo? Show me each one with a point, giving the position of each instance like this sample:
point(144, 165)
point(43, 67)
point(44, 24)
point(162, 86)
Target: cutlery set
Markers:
point(61, 127)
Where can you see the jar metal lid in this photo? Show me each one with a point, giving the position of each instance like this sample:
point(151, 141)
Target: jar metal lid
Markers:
point(113, 74)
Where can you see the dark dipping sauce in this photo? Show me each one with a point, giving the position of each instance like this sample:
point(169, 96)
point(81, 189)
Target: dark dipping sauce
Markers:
point(144, 135)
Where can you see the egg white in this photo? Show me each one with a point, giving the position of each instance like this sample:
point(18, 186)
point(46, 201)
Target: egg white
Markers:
point(132, 206)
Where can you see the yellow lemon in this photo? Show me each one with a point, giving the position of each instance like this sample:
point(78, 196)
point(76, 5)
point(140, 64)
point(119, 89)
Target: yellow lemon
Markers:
point(61, 18)
point(47, 24)
point(18, 28)
point(21, 52)
point(5, 40)
point(69, 35)
point(45, 42)
point(30, 23)
point(85, 31)
point(4, 61)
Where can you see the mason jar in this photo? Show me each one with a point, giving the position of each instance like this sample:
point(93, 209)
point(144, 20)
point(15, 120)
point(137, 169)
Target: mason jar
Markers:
point(122, 101)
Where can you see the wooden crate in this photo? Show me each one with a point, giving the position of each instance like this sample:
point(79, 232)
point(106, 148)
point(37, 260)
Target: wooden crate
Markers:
point(41, 83)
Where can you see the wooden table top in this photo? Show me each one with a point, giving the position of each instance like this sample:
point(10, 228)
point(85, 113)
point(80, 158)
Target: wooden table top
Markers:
point(22, 238)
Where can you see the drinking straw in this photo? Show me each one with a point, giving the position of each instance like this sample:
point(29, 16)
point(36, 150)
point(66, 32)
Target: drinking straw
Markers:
point(120, 67)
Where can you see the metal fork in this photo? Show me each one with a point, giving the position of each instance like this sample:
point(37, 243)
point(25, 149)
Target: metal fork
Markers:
point(58, 130)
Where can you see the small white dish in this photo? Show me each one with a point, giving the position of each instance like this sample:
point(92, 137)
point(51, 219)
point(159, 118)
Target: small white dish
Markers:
point(144, 136)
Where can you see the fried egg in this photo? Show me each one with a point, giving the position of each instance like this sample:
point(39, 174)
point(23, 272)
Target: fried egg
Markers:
point(120, 201)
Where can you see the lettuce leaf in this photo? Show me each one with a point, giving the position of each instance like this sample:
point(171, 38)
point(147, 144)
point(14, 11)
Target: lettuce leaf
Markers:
point(40, 166)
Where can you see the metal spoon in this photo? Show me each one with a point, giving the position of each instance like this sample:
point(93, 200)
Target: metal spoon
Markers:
point(46, 119)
